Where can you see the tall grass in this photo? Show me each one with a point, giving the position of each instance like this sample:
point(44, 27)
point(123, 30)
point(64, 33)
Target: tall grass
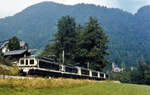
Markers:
point(42, 83)
point(8, 70)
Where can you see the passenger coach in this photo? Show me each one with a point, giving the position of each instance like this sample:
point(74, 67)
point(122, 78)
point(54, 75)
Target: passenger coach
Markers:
point(49, 67)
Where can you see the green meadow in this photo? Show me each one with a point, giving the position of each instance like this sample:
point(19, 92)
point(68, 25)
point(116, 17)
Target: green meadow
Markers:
point(70, 87)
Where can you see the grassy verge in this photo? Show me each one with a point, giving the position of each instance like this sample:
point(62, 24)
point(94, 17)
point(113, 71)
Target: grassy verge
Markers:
point(42, 83)
point(69, 87)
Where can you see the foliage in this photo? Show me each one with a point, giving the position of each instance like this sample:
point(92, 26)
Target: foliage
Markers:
point(123, 77)
point(4, 60)
point(147, 73)
point(139, 75)
point(48, 50)
point(81, 44)
point(1, 53)
point(65, 38)
point(14, 44)
point(92, 45)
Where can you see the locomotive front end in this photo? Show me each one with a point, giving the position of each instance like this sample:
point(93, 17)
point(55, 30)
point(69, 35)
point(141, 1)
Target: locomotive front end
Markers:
point(27, 64)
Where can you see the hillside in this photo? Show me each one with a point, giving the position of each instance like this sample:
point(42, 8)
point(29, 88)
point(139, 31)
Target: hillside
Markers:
point(128, 34)
point(75, 87)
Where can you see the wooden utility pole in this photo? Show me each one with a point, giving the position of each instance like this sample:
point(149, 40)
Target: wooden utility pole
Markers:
point(63, 56)
point(88, 65)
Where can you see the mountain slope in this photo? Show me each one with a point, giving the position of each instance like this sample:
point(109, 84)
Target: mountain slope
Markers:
point(128, 34)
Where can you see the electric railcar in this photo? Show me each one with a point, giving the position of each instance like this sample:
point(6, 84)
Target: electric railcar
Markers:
point(49, 67)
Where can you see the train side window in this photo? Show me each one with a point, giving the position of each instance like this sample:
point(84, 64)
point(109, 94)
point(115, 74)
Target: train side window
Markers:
point(84, 72)
point(47, 65)
point(71, 69)
point(22, 62)
point(26, 62)
point(101, 75)
point(31, 62)
point(94, 73)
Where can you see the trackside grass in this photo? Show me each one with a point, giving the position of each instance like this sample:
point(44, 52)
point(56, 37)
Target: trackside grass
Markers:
point(42, 83)
point(81, 87)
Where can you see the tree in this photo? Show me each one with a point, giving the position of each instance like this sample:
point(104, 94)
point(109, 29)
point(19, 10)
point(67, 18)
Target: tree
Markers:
point(14, 44)
point(83, 45)
point(3, 60)
point(92, 45)
point(79, 28)
point(147, 74)
point(1, 56)
point(1, 53)
point(123, 77)
point(137, 75)
point(65, 38)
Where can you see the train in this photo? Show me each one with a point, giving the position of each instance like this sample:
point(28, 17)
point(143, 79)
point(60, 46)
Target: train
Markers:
point(42, 66)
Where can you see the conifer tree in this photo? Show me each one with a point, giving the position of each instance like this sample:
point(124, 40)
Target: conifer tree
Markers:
point(65, 38)
point(92, 45)
point(14, 44)
point(147, 74)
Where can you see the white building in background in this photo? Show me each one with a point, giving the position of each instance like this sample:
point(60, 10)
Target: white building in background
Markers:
point(5, 49)
point(115, 68)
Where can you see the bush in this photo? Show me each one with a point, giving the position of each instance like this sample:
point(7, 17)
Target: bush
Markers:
point(123, 77)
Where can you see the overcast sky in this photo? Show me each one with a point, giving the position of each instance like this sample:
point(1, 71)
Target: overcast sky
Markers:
point(11, 7)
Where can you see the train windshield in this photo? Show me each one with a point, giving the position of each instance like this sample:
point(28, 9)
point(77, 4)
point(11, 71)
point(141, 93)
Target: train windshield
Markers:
point(31, 62)
point(22, 62)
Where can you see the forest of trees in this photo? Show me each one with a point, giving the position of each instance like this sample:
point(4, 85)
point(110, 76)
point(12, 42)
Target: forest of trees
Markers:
point(138, 75)
point(85, 46)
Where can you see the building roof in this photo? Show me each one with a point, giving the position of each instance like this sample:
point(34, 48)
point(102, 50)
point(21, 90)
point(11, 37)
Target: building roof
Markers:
point(4, 44)
point(22, 44)
point(15, 52)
